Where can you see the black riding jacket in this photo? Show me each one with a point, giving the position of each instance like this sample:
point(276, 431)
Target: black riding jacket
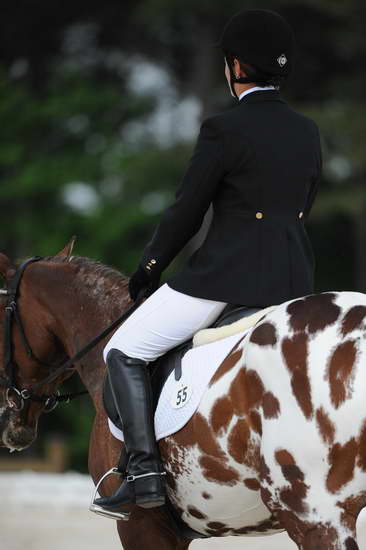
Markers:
point(259, 164)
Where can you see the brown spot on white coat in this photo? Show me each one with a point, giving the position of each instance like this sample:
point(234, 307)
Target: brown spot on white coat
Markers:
point(221, 414)
point(238, 441)
point(313, 313)
point(252, 484)
point(295, 352)
point(217, 471)
point(325, 425)
point(196, 513)
point(353, 319)
point(271, 405)
point(342, 459)
point(341, 372)
point(246, 391)
point(264, 335)
point(361, 461)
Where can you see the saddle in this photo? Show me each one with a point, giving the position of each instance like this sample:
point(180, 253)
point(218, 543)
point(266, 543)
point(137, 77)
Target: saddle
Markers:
point(159, 372)
point(172, 360)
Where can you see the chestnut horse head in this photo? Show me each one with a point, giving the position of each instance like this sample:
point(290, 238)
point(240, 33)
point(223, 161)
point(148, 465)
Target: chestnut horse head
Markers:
point(30, 351)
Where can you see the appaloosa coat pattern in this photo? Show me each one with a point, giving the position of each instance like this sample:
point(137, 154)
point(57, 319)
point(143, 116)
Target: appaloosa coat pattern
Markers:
point(279, 439)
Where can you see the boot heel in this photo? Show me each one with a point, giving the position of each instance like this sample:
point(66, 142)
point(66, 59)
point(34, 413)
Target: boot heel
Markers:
point(149, 489)
point(148, 503)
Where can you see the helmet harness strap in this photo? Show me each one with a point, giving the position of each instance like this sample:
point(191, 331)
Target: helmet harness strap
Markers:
point(254, 77)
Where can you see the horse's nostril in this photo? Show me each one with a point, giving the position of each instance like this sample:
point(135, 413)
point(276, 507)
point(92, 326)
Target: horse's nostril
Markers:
point(19, 437)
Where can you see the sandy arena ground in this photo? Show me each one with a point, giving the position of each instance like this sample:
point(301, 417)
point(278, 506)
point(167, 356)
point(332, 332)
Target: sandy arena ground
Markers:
point(50, 512)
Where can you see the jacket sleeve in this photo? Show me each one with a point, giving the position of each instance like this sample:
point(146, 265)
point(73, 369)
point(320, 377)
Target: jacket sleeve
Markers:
point(193, 197)
point(316, 179)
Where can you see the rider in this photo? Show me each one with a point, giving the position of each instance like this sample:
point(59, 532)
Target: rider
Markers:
point(259, 164)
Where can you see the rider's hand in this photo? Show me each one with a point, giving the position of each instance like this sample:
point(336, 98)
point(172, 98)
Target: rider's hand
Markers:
point(141, 280)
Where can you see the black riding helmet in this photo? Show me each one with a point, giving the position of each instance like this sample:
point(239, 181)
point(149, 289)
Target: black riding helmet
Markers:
point(262, 39)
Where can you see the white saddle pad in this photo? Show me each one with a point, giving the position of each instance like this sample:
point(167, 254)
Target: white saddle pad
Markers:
point(179, 400)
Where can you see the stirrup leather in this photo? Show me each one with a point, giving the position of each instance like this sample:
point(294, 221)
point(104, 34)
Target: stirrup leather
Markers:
point(132, 477)
point(125, 516)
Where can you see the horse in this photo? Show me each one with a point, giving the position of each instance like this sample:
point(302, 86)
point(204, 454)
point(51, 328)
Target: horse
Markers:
point(277, 443)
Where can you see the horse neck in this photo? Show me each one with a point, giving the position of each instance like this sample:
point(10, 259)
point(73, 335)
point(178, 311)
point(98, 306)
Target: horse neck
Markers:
point(84, 299)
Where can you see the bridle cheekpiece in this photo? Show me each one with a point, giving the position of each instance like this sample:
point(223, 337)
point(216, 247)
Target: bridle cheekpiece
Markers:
point(15, 398)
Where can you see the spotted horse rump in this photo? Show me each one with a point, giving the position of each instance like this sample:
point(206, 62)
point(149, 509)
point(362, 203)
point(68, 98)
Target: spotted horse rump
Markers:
point(279, 438)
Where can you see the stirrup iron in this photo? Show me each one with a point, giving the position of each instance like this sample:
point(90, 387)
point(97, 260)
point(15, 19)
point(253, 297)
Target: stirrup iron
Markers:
point(124, 516)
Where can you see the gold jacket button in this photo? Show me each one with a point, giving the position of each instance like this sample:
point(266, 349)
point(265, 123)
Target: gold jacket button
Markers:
point(301, 214)
point(153, 261)
point(259, 215)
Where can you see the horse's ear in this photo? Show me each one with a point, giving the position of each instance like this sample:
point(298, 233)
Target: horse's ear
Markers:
point(67, 251)
point(7, 269)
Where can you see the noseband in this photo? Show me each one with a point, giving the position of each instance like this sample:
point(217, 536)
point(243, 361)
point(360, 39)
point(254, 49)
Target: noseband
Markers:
point(16, 397)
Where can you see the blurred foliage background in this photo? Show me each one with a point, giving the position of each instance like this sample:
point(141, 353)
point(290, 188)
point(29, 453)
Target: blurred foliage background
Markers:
point(100, 104)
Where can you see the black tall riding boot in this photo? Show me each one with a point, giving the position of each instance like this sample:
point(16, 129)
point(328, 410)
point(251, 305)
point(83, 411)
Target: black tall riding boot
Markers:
point(144, 483)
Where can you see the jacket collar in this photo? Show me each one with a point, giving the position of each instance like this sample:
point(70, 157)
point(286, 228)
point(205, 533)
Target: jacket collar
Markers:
point(262, 95)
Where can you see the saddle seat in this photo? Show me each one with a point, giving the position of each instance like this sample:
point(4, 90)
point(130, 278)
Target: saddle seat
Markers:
point(233, 319)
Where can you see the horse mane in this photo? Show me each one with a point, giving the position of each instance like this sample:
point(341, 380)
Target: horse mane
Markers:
point(93, 274)
point(100, 269)
point(95, 267)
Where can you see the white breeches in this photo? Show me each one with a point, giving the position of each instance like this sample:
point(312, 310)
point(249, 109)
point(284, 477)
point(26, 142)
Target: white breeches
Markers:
point(161, 322)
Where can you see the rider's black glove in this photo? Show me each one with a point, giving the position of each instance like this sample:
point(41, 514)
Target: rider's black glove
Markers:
point(142, 281)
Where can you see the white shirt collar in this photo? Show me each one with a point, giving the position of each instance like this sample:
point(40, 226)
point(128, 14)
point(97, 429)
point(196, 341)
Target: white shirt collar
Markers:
point(255, 89)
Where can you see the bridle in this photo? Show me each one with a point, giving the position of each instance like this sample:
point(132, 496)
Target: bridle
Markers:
point(16, 397)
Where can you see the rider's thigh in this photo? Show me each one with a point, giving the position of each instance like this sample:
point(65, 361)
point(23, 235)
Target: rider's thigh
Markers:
point(161, 322)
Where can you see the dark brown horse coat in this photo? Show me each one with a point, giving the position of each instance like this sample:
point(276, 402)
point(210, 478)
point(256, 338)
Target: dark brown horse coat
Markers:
point(259, 164)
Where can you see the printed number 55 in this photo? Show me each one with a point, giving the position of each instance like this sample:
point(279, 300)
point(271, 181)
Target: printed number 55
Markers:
point(181, 396)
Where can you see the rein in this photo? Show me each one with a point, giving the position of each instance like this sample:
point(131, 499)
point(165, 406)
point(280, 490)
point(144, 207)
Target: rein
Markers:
point(12, 316)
